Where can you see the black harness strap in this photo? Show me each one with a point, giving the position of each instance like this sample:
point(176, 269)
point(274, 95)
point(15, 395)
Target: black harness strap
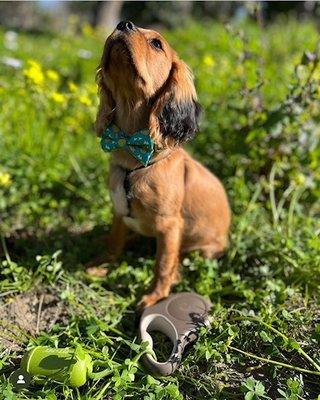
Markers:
point(127, 186)
point(127, 189)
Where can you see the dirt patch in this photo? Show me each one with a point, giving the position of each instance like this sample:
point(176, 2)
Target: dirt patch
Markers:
point(26, 315)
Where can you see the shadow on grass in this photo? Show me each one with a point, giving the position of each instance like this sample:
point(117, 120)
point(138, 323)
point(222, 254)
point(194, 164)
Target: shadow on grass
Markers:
point(78, 248)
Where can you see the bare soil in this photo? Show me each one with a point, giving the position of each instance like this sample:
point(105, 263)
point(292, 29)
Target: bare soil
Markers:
point(25, 315)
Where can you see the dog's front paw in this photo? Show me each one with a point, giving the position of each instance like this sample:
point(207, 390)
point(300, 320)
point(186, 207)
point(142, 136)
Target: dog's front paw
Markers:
point(97, 272)
point(106, 258)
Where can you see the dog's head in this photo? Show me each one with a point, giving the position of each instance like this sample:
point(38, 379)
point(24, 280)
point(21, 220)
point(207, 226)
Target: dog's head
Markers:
point(138, 65)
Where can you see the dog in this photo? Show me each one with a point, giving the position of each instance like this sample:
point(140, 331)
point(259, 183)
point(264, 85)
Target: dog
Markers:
point(145, 86)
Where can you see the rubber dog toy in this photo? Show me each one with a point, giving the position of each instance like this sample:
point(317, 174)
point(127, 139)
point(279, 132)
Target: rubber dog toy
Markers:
point(180, 318)
point(71, 366)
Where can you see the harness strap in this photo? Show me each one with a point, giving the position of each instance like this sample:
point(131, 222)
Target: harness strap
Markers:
point(127, 189)
point(127, 186)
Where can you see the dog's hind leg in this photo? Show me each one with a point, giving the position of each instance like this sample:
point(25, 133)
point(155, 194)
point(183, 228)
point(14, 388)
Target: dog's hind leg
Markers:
point(212, 251)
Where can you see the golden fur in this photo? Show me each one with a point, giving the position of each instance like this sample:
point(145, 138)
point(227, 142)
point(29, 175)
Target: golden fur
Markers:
point(175, 199)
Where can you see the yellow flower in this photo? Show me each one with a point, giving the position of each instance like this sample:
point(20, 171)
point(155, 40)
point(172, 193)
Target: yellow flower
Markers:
point(300, 179)
point(87, 30)
point(53, 75)
point(5, 179)
point(208, 60)
point(72, 87)
point(58, 97)
point(85, 100)
point(34, 72)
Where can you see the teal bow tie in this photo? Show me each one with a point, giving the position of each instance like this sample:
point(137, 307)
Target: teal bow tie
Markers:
point(140, 144)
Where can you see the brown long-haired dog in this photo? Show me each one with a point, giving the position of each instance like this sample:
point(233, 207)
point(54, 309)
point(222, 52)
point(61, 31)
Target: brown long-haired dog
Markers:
point(144, 84)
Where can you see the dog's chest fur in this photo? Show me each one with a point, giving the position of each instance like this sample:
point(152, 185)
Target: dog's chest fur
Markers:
point(121, 196)
point(118, 192)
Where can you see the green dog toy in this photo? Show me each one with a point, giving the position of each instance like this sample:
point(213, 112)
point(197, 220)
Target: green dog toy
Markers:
point(71, 366)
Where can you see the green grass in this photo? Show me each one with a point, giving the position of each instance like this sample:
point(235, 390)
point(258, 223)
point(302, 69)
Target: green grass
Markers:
point(260, 135)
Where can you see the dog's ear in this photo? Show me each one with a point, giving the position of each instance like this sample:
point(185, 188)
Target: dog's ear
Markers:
point(175, 111)
point(106, 105)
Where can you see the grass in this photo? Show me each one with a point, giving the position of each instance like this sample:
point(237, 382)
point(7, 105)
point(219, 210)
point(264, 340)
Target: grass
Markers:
point(259, 134)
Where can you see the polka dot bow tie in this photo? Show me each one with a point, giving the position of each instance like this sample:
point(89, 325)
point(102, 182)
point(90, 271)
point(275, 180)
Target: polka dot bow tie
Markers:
point(140, 144)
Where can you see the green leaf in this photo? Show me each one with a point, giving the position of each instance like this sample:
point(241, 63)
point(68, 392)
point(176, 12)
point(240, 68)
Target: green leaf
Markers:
point(259, 389)
point(249, 396)
point(80, 353)
point(293, 344)
point(265, 336)
point(282, 392)
point(51, 396)
point(173, 391)
point(249, 384)
point(286, 315)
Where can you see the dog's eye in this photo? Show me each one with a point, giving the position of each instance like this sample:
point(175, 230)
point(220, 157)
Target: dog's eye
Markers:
point(156, 44)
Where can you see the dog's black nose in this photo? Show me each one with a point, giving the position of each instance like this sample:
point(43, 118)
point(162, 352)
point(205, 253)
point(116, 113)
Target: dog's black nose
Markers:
point(126, 26)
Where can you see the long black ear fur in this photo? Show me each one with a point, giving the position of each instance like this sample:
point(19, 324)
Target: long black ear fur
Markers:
point(180, 120)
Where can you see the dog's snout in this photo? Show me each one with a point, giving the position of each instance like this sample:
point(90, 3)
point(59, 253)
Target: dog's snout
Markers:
point(126, 26)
